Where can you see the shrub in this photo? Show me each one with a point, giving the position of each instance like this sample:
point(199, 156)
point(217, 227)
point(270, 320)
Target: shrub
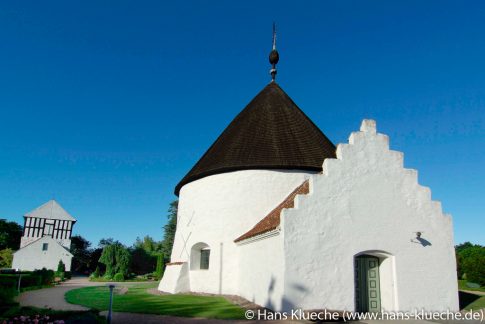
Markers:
point(6, 257)
point(116, 258)
point(119, 277)
point(7, 298)
point(59, 276)
point(8, 281)
point(95, 274)
point(61, 271)
point(61, 267)
point(107, 277)
point(33, 279)
point(47, 276)
point(30, 280)
point(22, 315)
point(160, 265)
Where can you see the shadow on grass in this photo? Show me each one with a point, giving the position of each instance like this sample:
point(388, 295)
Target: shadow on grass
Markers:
point(466, 299)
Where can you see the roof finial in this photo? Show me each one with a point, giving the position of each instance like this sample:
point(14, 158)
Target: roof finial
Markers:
point(274, 57)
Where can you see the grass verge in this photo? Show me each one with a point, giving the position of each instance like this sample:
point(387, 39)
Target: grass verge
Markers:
point(477, 304)
point(138, 300)
point(101, 279)
point(462, 286)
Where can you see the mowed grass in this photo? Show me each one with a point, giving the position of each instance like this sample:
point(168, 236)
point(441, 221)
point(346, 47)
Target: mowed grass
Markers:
point(138, 300)
point(477, 304)
point(463, 286)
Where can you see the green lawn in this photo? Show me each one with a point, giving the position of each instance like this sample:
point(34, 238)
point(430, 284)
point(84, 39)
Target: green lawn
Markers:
point(477, 304)
point(462, 286)
point(101, 279)
point(137, 300)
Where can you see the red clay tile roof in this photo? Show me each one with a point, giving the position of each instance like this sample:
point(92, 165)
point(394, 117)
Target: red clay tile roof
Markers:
point(272, 220)
point(270, 133)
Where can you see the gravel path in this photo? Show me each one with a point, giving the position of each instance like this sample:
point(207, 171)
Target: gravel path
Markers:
point(476, 292)
point(53, 298)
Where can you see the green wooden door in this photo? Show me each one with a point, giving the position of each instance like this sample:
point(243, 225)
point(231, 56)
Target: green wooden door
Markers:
point(367, 290)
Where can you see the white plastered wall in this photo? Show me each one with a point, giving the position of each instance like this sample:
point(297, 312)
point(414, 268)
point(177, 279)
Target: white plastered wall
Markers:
point(217, 209)
point(26, 240)
point(31, 257)
point(261, 272)
point(176, 279)
point(366, 201)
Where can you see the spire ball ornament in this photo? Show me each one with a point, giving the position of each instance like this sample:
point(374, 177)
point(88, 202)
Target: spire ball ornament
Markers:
point(274, 56)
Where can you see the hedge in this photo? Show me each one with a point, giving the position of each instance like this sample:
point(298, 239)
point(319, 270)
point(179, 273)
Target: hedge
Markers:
point(31, 279)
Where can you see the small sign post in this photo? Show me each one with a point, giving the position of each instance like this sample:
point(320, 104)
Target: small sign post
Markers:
point(20, 279)
point(111, 287)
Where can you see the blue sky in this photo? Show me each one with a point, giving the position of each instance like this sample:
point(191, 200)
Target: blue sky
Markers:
point(106, 105)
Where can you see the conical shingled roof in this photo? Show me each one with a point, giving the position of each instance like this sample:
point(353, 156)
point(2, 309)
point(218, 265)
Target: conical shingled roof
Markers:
point(270, 133)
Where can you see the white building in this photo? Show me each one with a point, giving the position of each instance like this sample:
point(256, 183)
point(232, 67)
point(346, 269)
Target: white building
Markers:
point(46, 239)
point(275, 213)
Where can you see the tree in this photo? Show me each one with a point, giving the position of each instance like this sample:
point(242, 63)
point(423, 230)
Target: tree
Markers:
point(6, 257)
point(148, 244)
point(144, 255)
point(475, 268)
point(169, 230)
point(116, 258)
point(106, 241)
point(95, 255)
point(96, 273)
point(462, 247)
point(141, 261)
point(108, 258)
point(160, 266)
point(61, 267)
point(459, 267)
point(94, 260)
point(80, 249)
point(61, 270)
point(471, 262)
point(10, 234)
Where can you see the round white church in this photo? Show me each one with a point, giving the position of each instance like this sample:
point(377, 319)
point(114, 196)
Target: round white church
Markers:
point(275, 213)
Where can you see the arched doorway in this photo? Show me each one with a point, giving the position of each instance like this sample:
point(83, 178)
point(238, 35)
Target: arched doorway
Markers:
point(374, 279)
point(367, 284)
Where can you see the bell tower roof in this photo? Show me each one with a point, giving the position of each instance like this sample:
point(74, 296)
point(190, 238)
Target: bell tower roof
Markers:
point(50, 210)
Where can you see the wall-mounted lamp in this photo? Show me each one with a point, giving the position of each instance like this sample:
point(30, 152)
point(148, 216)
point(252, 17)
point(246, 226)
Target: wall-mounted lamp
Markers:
point(417, 236)
point(420, 240)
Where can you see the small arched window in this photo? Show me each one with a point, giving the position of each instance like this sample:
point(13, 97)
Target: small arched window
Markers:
point(200, 256)
point(204, 258)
